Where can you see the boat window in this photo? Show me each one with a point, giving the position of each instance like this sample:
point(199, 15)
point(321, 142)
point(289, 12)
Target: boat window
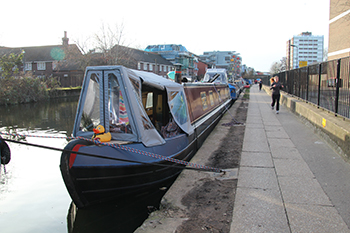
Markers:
point(178, 106)
point(118, 116)
point(91, 112)
point(204, 100)
point(154, 106)
point(211, 98)
point(149, 100)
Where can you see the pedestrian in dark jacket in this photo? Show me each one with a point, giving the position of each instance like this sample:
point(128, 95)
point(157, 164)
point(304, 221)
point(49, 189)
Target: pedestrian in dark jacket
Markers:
point(260, 84)
point(276, 86)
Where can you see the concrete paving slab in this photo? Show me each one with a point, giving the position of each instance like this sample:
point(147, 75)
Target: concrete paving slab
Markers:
point(280, 142)
point(311, 218)
point(258, 210)
point(302, 190)
point(257, 178)
point(256, 159)
point(254, 120)
point(292, 167)
point(253, 109)
point(255, 134)
point(276, 133)
point(254, 125)
point(255, 147)
point(285, 153)
point(271, 122)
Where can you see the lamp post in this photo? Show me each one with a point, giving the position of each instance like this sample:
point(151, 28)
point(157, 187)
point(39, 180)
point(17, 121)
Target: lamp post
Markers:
point(297, 57)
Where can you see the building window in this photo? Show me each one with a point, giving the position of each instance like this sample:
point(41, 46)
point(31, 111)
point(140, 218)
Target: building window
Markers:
point(139, 65)
point(144, 66)
point(41, 65)
point(151, 67)
point(28, 66)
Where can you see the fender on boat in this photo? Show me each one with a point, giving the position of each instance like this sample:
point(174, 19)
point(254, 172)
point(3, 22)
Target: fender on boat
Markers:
point(5, 152)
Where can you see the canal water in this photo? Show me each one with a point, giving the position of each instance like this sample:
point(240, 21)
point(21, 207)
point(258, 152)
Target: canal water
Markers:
point(33, 197)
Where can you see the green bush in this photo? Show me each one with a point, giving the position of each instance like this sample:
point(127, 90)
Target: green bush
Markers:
point(22, 90)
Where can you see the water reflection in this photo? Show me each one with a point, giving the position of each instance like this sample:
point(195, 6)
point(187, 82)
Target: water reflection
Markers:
point(111, 218)
point(33, 197)
point(57, 114)
point(32, 191)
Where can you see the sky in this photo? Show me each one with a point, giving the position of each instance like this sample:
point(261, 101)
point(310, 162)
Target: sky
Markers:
point(257, 29)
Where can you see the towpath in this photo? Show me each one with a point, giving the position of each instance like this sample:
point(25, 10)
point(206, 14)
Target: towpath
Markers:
point(288, 180)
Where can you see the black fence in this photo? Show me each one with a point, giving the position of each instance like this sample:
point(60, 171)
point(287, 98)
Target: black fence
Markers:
point(326, 85)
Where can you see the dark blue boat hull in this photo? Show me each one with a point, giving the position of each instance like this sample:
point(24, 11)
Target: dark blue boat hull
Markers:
point(91, 180)
point(94, 180)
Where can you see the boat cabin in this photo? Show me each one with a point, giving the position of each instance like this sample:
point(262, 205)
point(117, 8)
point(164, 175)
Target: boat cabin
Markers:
point(134, 106)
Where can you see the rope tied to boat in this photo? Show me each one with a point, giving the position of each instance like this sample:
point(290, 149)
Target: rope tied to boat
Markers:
point(116, 146)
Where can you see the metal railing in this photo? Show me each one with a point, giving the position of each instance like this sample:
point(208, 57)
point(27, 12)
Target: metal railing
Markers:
point(326, 85)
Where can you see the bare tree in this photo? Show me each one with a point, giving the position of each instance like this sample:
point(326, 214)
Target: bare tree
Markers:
point(111, 45)
point(279, 66)
point(248, 73)
point(106, 47)
point(325, 54)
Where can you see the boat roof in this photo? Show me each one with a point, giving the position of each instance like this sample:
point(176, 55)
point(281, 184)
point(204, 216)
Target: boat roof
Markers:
point(176, 101)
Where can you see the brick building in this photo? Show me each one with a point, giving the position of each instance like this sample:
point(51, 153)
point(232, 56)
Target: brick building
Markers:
point(43, 62)
point(339, 29)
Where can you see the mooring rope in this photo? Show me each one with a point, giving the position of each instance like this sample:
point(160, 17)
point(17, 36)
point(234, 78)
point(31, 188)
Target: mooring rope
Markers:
point(192, 166)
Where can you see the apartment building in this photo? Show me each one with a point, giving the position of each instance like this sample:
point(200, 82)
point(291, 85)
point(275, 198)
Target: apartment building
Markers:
point(229, 60)
point(304, 49)
point(179, 56)
point(339, 29)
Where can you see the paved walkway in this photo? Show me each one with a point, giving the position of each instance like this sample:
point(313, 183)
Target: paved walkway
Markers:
point(289, 180)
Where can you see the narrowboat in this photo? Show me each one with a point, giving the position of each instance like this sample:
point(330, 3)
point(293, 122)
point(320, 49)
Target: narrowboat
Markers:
point(145, 113)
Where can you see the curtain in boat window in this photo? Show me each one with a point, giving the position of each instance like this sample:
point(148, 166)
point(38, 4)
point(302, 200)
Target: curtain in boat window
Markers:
point(118, 115)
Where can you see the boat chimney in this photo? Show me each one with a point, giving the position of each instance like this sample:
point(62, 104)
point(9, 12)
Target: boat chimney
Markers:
point(178, 72)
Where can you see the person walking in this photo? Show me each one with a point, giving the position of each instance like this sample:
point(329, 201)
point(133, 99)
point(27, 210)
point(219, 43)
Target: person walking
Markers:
point(260, 84)
point(276, 86)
